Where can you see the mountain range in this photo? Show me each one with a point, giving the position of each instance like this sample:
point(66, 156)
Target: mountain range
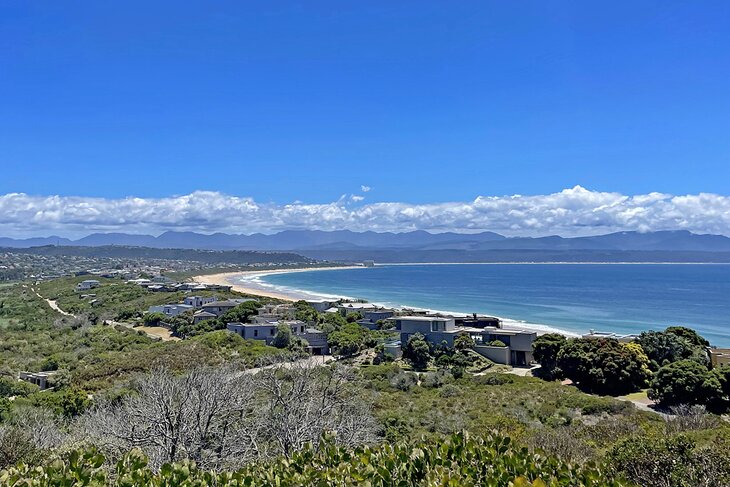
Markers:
point(344, 241)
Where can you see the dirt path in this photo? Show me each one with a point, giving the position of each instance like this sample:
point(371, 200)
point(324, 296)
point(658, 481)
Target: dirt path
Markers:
point(54, 306)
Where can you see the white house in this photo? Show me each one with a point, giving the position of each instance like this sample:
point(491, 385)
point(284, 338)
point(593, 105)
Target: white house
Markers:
point(87, 284)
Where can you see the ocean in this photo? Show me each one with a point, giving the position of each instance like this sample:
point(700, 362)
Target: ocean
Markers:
point(575, 298)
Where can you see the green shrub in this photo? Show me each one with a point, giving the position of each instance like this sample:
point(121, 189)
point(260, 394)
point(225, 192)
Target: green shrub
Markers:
point(457, 460)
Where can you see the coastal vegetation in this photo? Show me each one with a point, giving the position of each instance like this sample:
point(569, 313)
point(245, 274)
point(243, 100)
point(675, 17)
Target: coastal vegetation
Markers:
point(673, 364)
point(213, 408)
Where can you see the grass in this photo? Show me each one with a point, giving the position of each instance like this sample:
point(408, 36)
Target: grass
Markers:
point(637, 396)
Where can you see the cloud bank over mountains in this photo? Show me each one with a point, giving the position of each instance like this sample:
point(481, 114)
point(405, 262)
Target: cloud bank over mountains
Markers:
point(571, 212)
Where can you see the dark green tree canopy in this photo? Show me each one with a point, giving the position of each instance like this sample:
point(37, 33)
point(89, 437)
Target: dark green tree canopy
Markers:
point(417, 351)
point(604, 366)
point(687, 382)
point(545, 351)
point(665, 347)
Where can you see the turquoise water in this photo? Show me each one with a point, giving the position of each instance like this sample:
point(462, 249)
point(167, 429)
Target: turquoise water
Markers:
point(573, 297)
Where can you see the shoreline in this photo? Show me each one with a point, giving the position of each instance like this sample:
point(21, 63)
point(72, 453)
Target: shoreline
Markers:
point(253, 287)
point(249, 283)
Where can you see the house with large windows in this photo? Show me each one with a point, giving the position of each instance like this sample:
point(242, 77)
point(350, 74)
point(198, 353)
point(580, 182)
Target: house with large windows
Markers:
point(501, 345)
point(266, 331)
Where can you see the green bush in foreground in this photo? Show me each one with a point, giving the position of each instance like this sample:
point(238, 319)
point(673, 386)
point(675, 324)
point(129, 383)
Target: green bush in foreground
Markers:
point(460, 460)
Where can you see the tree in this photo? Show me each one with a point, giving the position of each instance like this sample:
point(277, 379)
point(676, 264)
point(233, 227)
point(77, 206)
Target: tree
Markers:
point(305, 312)
point(689, 334)
point(224, 418)
point(603, 366)
point(283, 336)
point(685, 382)
point(463, 342)
point(240, 313)
point(28, 434)
point(417, 352)
point(673, 461)
point(545, 351)
point(13, 387)
point(349, 339)
point(152, 319)
point(353, 317)
point(663, 347)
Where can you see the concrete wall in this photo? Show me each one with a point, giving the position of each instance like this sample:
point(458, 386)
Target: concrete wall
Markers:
point(523, 342)
point(500, 355)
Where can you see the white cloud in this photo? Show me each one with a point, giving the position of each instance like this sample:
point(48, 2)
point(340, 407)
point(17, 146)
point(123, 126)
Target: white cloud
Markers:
point(365, 189)
point(575, 211)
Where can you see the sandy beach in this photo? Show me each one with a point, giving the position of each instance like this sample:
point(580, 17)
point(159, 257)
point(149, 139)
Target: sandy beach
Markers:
point(245, 281)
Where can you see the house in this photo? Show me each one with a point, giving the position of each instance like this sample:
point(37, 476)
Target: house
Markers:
point(719, 356)
point(275, 312)
point(160, 288)
point(218, 308)
point(87, 284)
point(320, 305)
point(347, 308)
point(170, 309)
point(436, 329)
point(372, 317)
point(198, 301)
point(479, 321)
point(202, 316)
point(316, 339)
point(518, 345)
point(140, 282)
point(41, 379)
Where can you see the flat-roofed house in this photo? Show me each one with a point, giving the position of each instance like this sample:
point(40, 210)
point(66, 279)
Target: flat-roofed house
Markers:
point(41, 379)
point(87, 284)
point(518, 345)
point(170, 309)
point(202, 316)
point(198, 301)
point(316, 339)
point(219, 307)
point(320, 305)
point(435, 329)
point(719, 356)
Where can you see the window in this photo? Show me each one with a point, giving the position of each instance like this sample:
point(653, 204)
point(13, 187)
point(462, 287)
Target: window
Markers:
point(434, 326)
point(255, 333)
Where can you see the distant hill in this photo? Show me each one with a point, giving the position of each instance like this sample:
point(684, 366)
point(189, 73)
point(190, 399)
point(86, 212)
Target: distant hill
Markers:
point(416, 245)
point(212, 257)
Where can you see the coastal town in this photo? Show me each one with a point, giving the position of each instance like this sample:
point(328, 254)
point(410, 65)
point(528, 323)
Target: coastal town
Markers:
point(74, 339)
point(78, 327)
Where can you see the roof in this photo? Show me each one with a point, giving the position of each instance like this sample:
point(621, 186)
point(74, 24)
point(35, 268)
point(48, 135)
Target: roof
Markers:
point(203, 313)
point(422, 318)
point(358, 305)
point(217, 304)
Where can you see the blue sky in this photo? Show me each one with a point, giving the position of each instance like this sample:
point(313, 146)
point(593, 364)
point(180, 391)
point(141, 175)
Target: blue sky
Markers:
point(306, 101)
